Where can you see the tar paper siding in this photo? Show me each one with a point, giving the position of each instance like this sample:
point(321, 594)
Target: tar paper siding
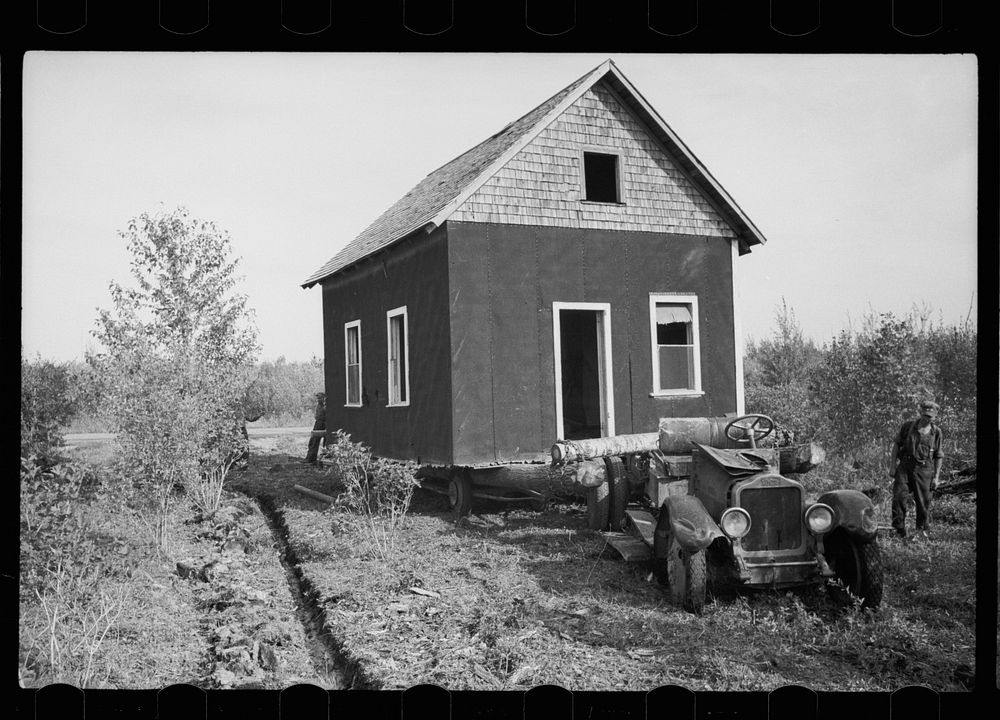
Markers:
point(414, 274)
point(542, 184)
point(503, 281)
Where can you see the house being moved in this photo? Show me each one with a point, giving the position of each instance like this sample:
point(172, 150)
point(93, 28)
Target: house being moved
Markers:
point(572, 276)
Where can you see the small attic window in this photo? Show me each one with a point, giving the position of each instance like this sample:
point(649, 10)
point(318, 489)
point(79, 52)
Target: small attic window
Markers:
point(600, 177)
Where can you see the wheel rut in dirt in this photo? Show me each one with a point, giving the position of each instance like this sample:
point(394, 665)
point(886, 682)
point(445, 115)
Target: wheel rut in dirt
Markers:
point(334, 669)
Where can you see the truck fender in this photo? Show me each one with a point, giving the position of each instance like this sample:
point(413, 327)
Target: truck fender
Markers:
point(690, 522)
point(854, 512)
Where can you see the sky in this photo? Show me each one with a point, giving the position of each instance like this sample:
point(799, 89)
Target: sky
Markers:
point(860, 170)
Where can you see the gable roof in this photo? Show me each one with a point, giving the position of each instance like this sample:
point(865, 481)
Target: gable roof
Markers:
point(432, 201)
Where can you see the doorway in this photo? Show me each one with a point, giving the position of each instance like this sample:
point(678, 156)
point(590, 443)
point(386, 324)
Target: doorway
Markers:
point(582, 348)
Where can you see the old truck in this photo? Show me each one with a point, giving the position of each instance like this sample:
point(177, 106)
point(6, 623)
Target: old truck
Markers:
point(708, 501)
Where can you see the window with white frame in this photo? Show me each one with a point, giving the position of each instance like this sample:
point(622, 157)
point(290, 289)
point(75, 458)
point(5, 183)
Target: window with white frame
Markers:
point(352, 363)
point(399, 357)
point(673, 323)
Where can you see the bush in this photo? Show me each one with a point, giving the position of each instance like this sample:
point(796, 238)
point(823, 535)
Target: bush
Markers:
point(869, 383)
point(853, 394)
point(49, 401)
point(376, 491)
point(954, 352)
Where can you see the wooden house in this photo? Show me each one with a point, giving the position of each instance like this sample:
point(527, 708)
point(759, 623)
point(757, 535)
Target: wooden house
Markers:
point(571, 276)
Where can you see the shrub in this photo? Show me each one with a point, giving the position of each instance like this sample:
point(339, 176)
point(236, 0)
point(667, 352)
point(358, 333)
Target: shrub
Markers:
point(48, 402)
point(954, 354)
point(178, 350)
point(376, 490)
point(853, 394)
point(869, 383)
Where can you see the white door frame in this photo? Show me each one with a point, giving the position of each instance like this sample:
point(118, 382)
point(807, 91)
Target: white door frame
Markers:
point(603, 358)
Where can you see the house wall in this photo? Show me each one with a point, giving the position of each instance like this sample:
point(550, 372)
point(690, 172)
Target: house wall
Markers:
point(413, 274)
point(504, 279)
point(542, 184)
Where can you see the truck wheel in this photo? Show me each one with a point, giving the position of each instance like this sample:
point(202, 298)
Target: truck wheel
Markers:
point(668, 563)
point(618, 484)
point(460, 494)
point(597, 507)
point(695, 581)
point(858, 567)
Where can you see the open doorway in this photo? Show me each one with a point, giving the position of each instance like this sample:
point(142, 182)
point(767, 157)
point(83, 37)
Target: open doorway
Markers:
point(582, 338)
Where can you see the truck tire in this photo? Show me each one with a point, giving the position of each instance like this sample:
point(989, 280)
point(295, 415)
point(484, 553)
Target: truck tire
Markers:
point(684, 575)
point(598, 501)
point(460, 494)
point(695, 581)
point(618, 484)
point(858, 567)
point(668, 563)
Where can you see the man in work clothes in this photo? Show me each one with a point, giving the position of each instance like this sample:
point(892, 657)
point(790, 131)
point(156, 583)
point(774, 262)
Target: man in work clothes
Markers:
point(320, 424)
point(916, 467)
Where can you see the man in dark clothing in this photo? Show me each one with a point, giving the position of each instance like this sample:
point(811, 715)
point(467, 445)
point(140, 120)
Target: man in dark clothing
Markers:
point(916, 467)
point(320, 424)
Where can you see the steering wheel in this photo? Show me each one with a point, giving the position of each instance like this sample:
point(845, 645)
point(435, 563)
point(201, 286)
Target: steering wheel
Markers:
point(759, 428)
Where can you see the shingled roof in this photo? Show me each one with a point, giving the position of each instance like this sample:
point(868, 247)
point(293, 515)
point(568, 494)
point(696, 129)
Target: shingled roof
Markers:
point(438, 195)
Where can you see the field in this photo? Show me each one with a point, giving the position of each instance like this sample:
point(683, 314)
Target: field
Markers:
point(279, 589)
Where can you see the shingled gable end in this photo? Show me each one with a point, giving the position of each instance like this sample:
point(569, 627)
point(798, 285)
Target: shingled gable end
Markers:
point(571, 276)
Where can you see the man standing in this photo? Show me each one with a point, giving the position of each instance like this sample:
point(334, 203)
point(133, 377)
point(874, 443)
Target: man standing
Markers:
point(916, 467)
point(320, 424)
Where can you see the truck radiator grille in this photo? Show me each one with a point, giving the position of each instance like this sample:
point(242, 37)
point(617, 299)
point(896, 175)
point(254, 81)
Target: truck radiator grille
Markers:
point(775, 518)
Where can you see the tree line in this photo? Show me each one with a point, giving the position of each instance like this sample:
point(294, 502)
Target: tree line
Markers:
point(852, 393)
point(58, 398)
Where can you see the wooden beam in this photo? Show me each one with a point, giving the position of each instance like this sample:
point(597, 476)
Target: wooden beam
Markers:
point(313, 494)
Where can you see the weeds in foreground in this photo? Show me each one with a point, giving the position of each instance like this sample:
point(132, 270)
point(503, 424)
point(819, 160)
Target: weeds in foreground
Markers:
point(377, 492)
point(206, 491)
point(74, 576)
point(74, 622)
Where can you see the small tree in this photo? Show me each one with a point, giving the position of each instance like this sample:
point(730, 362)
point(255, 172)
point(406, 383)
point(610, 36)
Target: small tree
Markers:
point(787, 356)
point(777, 373)
point(177, 353)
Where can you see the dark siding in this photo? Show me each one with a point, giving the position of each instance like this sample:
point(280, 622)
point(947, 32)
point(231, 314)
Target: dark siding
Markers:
point(514, 311)
point(501, 314)
point(413, 274)
point(471, 366)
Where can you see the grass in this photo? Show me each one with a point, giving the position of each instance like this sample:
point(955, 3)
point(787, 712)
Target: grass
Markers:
point(182, 630)
point(505, 599)
point(511, 599)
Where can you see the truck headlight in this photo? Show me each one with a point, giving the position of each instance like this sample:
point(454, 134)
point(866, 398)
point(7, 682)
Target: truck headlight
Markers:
point(735, 522)
point(819, 518)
